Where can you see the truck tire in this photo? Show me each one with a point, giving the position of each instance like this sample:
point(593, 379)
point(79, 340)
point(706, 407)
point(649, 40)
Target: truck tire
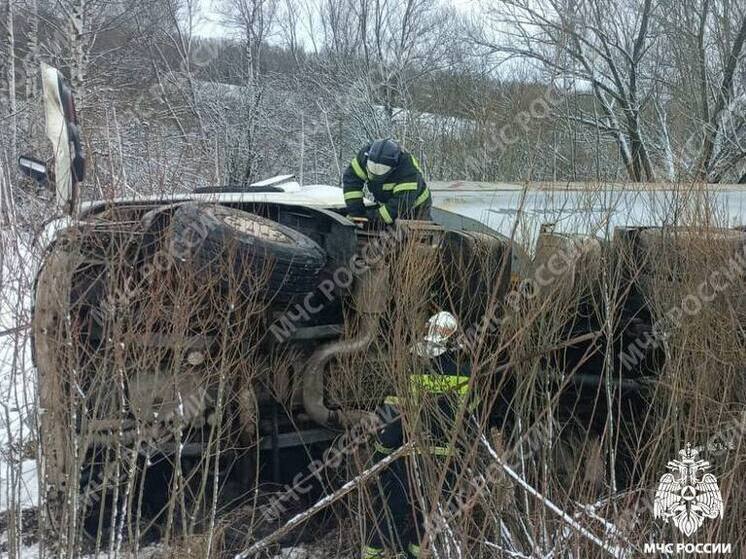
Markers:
point(220, 239)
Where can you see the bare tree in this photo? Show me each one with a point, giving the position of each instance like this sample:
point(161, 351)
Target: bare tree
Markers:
point(10, 73)
point(600, 45)
point(253, 21)
point(82, 27)
point(718, 154)
point(31, 58)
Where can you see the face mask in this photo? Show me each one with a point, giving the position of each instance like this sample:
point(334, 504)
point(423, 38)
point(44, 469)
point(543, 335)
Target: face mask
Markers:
point(377, 169)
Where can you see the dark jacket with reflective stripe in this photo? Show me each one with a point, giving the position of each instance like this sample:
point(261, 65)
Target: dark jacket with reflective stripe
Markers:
point(447, 383)
point(403, 191)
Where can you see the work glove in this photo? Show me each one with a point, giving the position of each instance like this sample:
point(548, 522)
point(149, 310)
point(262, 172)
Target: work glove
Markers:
point(374, 218)
point(360, 222)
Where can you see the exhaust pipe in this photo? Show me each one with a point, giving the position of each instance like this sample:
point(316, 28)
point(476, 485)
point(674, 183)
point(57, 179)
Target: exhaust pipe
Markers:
point(370, 297)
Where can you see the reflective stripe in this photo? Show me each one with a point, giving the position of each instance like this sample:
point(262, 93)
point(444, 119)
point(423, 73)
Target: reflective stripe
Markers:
point(385, 215)
point(405, 186)
point(372, 553)
point(416, 163)
point(353, 195)
point(440, 384)
point(358, 169)
point(389, 185)
point(434, 384)
point(422, 198)
point(413, 550)
point(383, 449)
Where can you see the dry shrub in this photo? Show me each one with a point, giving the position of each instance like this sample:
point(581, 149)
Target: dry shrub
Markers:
point(562, 456)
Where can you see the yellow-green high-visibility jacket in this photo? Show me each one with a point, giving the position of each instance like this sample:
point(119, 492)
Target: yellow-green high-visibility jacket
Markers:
point(403, 191)
point(446, 386)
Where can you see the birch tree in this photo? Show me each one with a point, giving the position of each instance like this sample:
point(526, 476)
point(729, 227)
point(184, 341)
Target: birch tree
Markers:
point(602, 45)
point(31, 58)
point(723, 102)
point(83, 24)
point(253, 22)
point(10, 74)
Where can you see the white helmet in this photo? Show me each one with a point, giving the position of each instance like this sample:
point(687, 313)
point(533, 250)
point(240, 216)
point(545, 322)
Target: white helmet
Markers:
point(440, 327)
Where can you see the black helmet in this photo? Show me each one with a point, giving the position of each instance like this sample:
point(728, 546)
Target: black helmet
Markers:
point(383, 156)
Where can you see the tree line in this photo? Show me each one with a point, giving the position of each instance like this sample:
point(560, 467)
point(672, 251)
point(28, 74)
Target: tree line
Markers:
point(562, 90)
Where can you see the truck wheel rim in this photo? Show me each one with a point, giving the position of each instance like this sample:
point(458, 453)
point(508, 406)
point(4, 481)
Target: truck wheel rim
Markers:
point(256, 228)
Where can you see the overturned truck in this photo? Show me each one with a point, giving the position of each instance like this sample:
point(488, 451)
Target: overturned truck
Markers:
point(184, 343)
point(190, 337)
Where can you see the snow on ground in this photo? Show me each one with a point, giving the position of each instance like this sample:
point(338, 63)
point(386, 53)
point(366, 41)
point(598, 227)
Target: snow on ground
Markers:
point(31, 552)
point(18, 480)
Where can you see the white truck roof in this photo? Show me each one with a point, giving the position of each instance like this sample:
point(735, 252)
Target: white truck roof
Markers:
point(318, 196)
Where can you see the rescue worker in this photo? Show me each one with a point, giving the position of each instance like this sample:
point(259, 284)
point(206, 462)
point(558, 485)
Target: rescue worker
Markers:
point(394, 178)
point(398, 524)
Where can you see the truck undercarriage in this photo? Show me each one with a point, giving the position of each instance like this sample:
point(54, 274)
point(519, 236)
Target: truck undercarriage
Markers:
point(155, 328)
point(164, 346)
